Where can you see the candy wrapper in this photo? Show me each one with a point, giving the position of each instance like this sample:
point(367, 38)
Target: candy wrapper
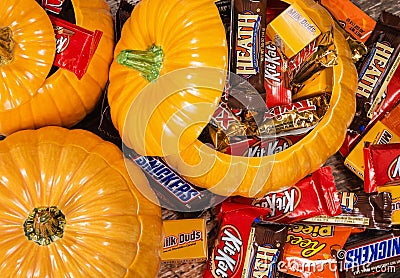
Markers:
point(248, 38)
point(309, 250)
point(373, 254)
point(237, 235)
point(75, 46)
point(312, 196)
point(376, 71)
point(382, 165)
point(294, 119)
point(360, 209)
point(265, 250)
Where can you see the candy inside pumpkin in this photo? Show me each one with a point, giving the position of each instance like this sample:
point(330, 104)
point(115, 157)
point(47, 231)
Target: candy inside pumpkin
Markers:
point(233, 175)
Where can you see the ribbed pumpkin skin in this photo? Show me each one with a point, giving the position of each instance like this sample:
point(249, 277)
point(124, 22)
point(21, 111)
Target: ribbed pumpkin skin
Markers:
point(225, 174)
point(111, 230)
point(191, 35)
point(62, 99)
point(34, 51)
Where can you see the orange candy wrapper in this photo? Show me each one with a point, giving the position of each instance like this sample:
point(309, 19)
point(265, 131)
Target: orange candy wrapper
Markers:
point(310, 250)
point(351, 18)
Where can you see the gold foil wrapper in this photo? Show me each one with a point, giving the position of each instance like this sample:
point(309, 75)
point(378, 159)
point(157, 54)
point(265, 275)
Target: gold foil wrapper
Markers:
point(297, 118)
point(323, 57)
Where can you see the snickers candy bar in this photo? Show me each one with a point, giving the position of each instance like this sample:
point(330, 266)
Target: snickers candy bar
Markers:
point(312, 196)
point(173, 191)
point(382, 165)
point(371, 255)
point(360, 209)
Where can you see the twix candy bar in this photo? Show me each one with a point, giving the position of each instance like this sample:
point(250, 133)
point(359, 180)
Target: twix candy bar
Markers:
point(382, 165)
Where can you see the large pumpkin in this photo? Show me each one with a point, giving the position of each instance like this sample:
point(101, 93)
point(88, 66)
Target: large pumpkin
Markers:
point(225, 174)
point(167, 48)
point(69, 208)
point(27, 98)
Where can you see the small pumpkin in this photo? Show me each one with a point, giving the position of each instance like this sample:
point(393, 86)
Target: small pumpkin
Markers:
point(233, 175)
point(165, 48)
point(69, 208)
point(27, 98)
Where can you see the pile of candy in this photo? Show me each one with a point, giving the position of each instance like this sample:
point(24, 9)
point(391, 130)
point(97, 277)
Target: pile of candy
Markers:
point(309, 229)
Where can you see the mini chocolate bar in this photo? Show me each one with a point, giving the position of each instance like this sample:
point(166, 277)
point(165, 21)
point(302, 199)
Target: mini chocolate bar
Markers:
point(378, 134)
point(373, 254)
point(248, 39)
point(360, 209)
point(294, 119)
point(351, 18)
point(394, 190)
point(75, 46)
point(382, 165)
point(172, 190)
point(317, 55)
point(229, 251)
point(310, 250)
point(376, 71)
point(314, 195)
point(264, 250)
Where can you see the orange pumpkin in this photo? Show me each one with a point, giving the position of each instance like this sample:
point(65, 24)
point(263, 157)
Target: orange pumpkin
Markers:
point(69, 208)
point(27, 98)
point(161, 43)
point(233, 175)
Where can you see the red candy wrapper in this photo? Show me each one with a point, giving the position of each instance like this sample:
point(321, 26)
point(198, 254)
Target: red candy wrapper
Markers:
point(389, 101)
point(276, 82)
point(229, 252)
point(75, 46)
point(382, 165)
point(312, 196)
point(53, 6)
point(256, 147)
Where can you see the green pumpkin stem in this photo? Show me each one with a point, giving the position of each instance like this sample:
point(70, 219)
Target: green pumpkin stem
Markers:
point(6, 46)
point(45, 225)
point(147, 62)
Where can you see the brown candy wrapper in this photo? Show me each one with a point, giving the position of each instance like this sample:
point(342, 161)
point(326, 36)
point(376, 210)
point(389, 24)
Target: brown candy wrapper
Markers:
point(360, 209)
point(264, 250)
point(376, 71)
